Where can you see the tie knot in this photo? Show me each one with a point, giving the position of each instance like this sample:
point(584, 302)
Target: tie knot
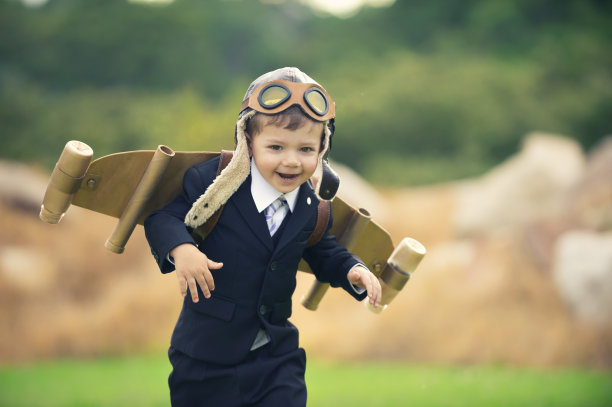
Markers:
point(277, 204)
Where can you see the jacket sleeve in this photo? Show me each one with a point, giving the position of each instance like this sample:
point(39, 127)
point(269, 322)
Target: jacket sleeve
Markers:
point(331, 262)
point(165, 228)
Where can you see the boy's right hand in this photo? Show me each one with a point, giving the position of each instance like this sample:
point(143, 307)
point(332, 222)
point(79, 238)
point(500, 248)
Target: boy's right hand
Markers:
point(192, 266)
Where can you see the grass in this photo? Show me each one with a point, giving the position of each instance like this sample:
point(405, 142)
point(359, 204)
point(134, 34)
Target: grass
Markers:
point(141, 381)
point(133, 381)
point(373, 384)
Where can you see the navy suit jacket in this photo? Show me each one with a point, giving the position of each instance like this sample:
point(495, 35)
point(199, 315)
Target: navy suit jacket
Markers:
point(258, 278)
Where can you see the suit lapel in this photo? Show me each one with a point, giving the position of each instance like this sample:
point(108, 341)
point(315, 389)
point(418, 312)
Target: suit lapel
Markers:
point(243, 200)
point(305, 205)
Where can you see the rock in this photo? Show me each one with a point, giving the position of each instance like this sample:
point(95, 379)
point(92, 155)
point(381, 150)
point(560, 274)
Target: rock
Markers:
point(590, 200)
point(22, 186)
point(583, 274)
point(530, 185)
point(25, 268)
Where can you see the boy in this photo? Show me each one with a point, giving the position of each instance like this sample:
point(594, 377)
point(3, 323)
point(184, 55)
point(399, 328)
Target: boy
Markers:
point(235, 346)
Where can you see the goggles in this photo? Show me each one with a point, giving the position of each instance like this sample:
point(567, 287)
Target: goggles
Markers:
point(277, 96)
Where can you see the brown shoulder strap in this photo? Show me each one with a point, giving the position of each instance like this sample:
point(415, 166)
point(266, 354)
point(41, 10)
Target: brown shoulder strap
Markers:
point(226, 157)
point(210, 224)
point(324, 211)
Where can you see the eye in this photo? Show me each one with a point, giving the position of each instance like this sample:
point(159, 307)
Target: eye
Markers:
point(307, 149)
point(275, 147)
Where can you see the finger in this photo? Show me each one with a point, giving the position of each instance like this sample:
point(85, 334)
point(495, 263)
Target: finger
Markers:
point(193, 289)
point(204, 285)
point(182, 285)
point(214, 265)
point(210, 281)
point(367, 282)
point(371, 287)
point(377, 290)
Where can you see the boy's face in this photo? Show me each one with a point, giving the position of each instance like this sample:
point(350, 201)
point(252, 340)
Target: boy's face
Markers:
point(287, 158)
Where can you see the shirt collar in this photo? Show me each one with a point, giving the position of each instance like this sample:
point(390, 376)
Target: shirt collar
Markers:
point(264, 194)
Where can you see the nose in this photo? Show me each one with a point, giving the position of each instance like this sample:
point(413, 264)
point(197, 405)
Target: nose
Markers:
point(290, 159)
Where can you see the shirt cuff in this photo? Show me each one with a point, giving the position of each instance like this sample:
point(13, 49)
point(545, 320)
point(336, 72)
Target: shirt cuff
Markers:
point(358, 290)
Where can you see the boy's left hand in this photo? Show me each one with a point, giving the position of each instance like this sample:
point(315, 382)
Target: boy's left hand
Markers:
point(362, 277)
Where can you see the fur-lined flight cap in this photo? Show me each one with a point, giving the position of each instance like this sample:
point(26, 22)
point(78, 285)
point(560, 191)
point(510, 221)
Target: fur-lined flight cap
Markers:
point(238, 169)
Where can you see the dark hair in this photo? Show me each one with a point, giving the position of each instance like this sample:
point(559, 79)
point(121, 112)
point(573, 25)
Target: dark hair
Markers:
point(290, 119)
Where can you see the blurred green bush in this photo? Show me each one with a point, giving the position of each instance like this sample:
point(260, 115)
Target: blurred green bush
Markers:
point(425, 91)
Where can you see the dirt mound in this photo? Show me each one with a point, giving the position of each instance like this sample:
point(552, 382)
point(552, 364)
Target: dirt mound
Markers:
point(63, 294)
point(487, 296)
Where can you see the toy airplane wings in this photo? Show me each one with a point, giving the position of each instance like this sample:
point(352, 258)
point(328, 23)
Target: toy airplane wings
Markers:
point(124, 185)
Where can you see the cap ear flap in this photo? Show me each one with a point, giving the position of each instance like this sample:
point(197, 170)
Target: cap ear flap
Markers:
point(328, 186)
point(226, 183)
point(327, 179)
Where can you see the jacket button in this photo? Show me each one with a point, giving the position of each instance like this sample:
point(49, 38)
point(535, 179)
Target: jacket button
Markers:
point(263, 309)
point(273, 266)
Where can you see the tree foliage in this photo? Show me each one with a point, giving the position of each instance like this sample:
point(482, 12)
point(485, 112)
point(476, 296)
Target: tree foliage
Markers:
point(425, 91)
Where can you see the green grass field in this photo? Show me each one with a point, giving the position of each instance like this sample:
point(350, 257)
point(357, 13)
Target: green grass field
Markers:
point(141, 381)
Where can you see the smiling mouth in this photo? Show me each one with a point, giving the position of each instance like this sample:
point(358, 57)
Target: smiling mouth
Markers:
point(288, 177)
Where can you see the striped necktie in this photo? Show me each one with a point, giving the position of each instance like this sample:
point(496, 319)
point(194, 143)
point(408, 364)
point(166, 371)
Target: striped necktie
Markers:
point(275, 214)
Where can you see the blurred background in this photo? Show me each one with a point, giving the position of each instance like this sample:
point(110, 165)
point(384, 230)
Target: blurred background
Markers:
point(478, 128)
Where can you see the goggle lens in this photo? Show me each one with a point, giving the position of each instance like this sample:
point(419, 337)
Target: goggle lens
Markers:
point(273, 95)
point(316, 101)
